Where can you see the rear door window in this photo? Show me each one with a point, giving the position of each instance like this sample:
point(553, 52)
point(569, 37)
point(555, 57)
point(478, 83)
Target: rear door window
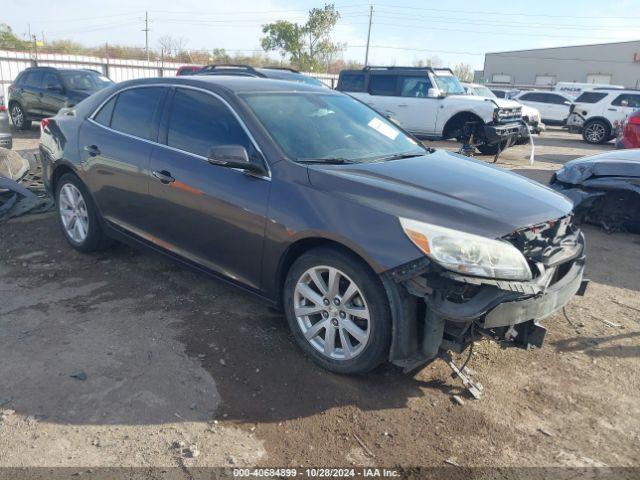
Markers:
point(383, 85)
point(534, 97)
point(51, 79)
point(103, 117)
point(352, 82)
point(632, 100)
point(199, 121)
point(33, 79)
point(415, 86)
point(134, 112)
point(555, 99)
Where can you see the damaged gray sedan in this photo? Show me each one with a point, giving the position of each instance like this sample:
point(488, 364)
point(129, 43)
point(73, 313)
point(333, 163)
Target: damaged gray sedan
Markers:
point(604, 188)
point(375, 247)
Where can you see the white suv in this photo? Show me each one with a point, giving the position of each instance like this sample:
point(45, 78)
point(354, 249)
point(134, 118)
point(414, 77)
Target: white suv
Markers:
point(432, 104)
point(553, 106)
point(599, 114)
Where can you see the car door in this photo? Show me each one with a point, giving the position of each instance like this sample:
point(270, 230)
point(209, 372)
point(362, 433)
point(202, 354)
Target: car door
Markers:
point(210, 214)
point(30, 91)
point(382, 90)
point(115, 146)
point(416, 111)
point(52, 98)
point(621, 106)
point(558, 106)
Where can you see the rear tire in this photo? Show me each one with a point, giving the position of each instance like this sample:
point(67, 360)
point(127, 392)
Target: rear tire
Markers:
point(19, 117)
point(78, 216)
point(327, 295)
point(596, 132)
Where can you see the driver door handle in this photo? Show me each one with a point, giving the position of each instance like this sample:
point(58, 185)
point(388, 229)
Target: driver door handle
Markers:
point(164, 176)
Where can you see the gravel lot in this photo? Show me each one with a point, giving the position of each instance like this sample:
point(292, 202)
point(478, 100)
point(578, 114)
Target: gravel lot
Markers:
point(184, 371)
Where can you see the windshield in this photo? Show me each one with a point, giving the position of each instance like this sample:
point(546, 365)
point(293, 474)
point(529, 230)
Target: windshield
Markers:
point(483, 92)
point(318, 126)
point(84, 80)
point(449, 84)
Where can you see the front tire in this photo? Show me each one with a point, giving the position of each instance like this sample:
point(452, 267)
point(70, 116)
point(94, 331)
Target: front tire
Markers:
point(19, 117)
point(596, 132)
point(78, 216)
point(338, 311)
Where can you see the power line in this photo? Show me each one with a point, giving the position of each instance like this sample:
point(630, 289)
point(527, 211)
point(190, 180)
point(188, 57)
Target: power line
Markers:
point(502, 13)
point(505, 54)
point(402, 16)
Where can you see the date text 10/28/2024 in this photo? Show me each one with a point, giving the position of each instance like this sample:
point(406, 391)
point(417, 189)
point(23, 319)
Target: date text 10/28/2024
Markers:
point(316, 472)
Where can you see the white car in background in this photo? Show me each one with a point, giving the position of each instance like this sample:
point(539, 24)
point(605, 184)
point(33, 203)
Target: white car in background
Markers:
point(553, 106)
point(600, 114)
point(530, 115)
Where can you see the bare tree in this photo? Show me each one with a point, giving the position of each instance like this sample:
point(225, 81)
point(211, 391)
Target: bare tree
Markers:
point(464, 72)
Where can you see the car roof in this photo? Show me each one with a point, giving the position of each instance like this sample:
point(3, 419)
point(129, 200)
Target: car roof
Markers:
point(232, 83)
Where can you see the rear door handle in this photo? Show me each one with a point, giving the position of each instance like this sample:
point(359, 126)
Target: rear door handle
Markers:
point(164, 176)
point(403, 105)
point(612, 109)
point(93, 150)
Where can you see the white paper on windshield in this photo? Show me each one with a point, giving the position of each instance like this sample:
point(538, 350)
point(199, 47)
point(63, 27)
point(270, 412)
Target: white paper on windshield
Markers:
point(386, 130)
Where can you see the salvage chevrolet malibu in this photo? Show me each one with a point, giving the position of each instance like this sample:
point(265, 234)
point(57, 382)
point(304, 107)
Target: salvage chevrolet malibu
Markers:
point(375, 247)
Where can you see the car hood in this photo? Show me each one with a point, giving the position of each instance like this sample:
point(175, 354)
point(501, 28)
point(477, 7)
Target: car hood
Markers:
point(446, 189)
point(500, 102)
point(619, 163)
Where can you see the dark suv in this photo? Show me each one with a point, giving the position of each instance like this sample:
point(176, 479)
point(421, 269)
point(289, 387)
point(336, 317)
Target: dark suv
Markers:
point(286, 74)
point(40, 92)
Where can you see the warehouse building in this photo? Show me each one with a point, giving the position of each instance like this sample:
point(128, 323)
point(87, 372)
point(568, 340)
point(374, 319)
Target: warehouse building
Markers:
point(608, 63)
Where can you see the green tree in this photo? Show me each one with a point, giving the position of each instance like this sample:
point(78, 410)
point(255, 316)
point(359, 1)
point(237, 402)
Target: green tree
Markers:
point(308, 46)
point(9, 40)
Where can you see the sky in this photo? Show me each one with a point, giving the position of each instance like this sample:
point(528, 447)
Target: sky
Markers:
point(402, 33)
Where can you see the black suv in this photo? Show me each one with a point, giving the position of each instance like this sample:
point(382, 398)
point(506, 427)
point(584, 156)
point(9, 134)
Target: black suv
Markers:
point(276, 73)
point(40, 92)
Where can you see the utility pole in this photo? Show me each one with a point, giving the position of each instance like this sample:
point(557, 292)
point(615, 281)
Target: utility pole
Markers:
point(146, 33)
point(366, 55)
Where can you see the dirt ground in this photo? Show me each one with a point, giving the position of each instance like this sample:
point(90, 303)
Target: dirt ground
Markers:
point(124, 358)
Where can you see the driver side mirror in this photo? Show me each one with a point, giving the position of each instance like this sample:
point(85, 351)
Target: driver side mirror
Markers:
point(233, 156)
point(432, 93)
point(567, 102)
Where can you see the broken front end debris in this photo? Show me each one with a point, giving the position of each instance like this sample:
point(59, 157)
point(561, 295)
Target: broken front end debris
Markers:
point(605, 189)
point(435, 310)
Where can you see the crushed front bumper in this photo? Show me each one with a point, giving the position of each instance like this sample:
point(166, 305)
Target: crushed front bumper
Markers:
point(575, 122)
point(457, 309)
point(498, 133)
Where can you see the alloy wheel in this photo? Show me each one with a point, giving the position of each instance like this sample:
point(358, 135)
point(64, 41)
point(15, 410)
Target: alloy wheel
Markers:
point(332, 313)
point(17, 117)
point(595, 132)
point(73, 212)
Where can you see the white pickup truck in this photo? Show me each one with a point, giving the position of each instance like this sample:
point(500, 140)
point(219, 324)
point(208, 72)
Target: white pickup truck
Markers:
point(432, 104)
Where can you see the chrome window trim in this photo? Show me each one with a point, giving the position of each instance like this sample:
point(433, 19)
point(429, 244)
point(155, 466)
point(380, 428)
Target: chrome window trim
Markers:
point(194, 155)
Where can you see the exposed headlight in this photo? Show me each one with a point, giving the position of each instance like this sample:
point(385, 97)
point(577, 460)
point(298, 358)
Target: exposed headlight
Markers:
point(467, 253)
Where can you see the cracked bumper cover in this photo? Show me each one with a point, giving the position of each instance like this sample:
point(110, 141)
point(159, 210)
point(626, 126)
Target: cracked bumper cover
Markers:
point(499, 133)
point(500, 309)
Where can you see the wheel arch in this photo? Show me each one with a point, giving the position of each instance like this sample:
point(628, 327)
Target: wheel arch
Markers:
point(303, 245)
point(457, 121)
point(602, 119)
point(58, 171)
